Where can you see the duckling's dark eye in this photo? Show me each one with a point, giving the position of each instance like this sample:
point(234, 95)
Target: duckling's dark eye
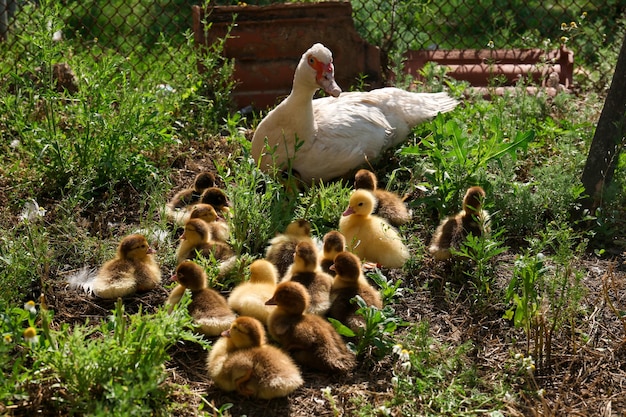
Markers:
point(360, 204)
point(311, 60)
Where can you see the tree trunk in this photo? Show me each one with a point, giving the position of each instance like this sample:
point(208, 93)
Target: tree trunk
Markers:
point(608, 138)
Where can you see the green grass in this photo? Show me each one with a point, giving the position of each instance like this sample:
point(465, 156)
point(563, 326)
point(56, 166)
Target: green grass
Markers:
point(100, 160)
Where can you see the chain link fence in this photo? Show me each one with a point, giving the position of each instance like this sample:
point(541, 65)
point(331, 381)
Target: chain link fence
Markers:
point(593, 29)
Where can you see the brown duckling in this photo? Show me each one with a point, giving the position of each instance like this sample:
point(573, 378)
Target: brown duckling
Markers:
point(208, 308)
point(242, 361)
point(132, 270)
point(177, 209)
point(453, 230)
point(369, 236)
point(283, 246)
point(248, 298)
point(196, 239)
point(390, 206)
point(307, 272)
point(334, 242)
point(311, 340)
point(218, 226)
point(217, 198)
point(348, 283)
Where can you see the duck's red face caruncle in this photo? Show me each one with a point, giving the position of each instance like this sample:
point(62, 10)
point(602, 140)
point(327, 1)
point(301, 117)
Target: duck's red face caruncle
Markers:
point(325, 75)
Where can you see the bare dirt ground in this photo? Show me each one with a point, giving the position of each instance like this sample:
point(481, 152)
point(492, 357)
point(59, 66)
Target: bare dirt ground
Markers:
point(585, 379)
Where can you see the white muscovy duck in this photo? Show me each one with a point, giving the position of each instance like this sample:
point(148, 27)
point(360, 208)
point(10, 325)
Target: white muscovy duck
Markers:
point(334, 135)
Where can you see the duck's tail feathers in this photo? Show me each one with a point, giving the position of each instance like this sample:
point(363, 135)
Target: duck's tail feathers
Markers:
point(82, 279)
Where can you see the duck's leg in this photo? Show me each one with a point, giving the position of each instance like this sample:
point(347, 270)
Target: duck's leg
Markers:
point(241, 384)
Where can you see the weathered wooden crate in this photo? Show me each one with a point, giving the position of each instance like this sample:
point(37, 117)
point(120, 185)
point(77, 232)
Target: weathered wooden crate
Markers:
point(268, 41)
point(552, 69)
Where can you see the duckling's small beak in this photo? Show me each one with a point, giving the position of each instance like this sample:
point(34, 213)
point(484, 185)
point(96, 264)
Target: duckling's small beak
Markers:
point(151, 251)
point(174, 278)
point(271, 302)
point(226, 333)
point(182, 237)
point(332, 267)
point(348, 211)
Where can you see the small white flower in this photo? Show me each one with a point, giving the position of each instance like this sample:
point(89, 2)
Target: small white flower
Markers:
point(397, 349)
point(406, 366)
point(30, 335)
point(394, 381)
point(490, 45)
point(30, 307)
point(7, 338)
point(326, 391)
point(383, 410)
point(541, 392)
point(31, 211)
point(15, 143)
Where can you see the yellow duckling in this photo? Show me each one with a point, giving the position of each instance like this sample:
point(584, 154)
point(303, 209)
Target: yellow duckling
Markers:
point(242, 361)
point(311, 340)
point(196, 240)
point(283, 246)
point(177, 209)
point(334, 242)
point(453, 230)
point(248, 298)
point(218, 226)
point(132, 270)
point(370, 237)
point(390, 206)
point(208, 308)
point(307, 272)
point(348, 283)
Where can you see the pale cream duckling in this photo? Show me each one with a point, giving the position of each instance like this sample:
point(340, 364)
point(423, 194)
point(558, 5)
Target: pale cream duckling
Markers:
point(370, 237)
point(177, 209)
point(307, 272)
point(242, 361)
point(453, 230)
point(208, 308)
point(390, 206)
point(218, 226)
point(334, 242)
point(132, 270)
point(283, 246)
point(248, 298)
point(348, 283)
point(311, 340)
point(196, 240)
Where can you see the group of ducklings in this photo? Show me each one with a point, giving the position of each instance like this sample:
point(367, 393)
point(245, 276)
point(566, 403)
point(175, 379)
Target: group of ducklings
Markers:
point(291, 291)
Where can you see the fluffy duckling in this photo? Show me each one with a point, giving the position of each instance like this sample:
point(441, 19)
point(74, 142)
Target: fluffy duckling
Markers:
point(176, 209)
point(248, 298)
point(390, 206)
point(310, 339)
point(132, 270)
point(218, 226)
point(370, 237)
point(242, 361)
point(196, 239)
point(218, 199)
point(307, 272)
point(348, 283)
point(282, 247)
point(208, 308)
point(453, 230)
point(334, 242)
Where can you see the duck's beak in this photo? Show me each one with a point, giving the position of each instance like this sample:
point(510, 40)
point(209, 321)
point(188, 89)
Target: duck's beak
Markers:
point(332, 267)
point(271, 302)
point(348, 211)
point(326, 79)
point(226, 333)
point(174, 278)
point(151, 251)
point(182, 237)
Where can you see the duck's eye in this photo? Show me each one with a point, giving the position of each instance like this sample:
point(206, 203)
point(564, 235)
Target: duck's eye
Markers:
point(360, 204)
point(311, 60)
